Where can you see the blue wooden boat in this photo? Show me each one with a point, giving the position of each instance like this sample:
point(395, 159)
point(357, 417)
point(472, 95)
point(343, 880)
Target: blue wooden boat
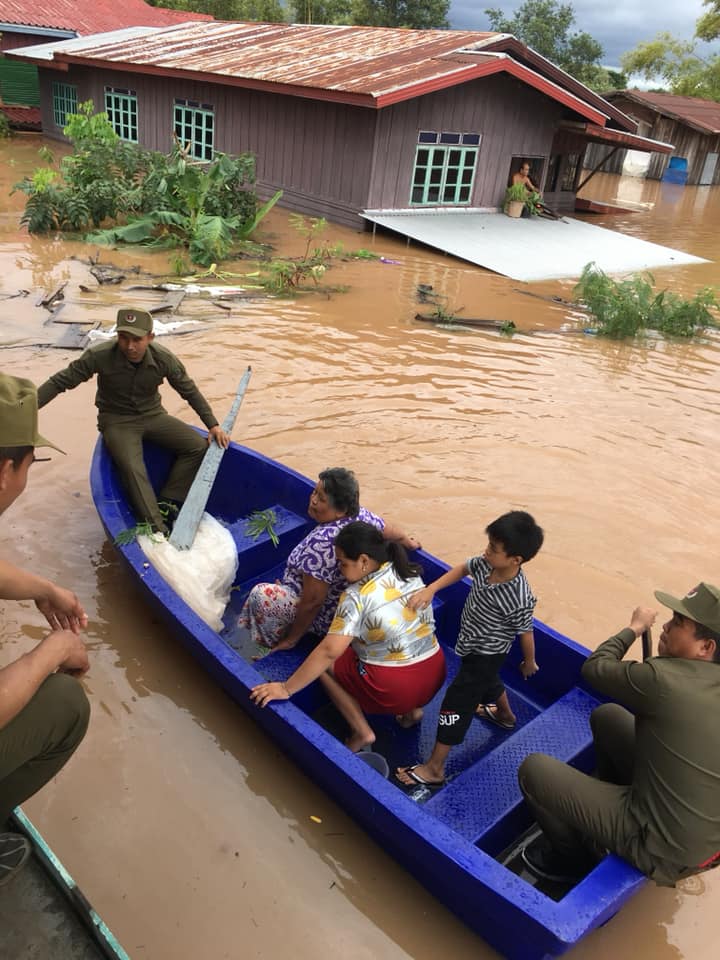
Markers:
point(461, 842)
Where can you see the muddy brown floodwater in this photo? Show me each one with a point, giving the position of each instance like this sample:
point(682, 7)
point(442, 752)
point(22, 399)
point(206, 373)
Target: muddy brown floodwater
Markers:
point(189, 830)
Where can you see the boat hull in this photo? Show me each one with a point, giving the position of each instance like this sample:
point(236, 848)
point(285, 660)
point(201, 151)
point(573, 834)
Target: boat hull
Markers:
point(452, 842)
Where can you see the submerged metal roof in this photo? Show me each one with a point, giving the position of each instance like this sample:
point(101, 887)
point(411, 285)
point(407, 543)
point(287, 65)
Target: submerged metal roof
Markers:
point(367, 66)
point(529, 249)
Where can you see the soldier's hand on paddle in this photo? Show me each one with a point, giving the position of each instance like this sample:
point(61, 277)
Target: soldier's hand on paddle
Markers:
point(217, 434)
point(642, 619)
point(265, 693)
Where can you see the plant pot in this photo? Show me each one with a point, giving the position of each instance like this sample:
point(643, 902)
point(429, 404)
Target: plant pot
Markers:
point(514, 208)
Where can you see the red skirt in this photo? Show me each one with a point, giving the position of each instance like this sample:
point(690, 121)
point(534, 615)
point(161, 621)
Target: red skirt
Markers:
point(380, 689)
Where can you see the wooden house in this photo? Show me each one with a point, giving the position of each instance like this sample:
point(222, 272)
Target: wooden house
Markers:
point(344, 118)
point(692, 125)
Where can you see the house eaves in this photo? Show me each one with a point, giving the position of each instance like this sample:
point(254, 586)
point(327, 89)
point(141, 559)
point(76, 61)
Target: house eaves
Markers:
point(43, 54)
point(617, 138)
point(521, 52)
point(53, 33)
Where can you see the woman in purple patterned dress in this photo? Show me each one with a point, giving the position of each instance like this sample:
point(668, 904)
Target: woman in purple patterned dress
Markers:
point(304, 601)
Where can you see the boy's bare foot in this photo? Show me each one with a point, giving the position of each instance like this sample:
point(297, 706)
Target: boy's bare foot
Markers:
point(418, 775)
point(357, 741)
point(410, 719)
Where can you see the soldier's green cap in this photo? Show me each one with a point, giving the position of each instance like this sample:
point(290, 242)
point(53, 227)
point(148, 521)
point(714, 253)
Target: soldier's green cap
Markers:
point(19, 414)
point(137, 322)
point(701, 604)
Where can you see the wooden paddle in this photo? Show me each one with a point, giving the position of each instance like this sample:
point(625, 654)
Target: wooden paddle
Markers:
point(188, 520)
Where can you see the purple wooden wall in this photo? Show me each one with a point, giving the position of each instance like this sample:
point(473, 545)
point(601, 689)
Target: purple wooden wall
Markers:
point(318, 153)
point(331, 159)
point(514, 120)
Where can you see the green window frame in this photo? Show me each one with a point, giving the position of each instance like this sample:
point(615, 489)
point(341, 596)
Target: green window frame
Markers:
point(444, 171)
point(64, 97)
point(194, 127)
point(122, 112)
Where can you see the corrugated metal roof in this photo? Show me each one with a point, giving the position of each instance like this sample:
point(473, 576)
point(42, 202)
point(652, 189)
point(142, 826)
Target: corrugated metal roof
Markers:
point(703, 115)
point(91, 16)
point(23, 118)
point(365, 60)
point(369, 66)
point(597, 134)
point(46, 51)
point(529, 249)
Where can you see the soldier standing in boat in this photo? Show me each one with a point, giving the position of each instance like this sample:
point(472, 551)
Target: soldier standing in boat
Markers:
point(129, 370)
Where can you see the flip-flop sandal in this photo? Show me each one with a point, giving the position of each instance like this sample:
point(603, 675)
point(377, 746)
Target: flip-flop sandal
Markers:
point(418, 781)
point(14, 851)
point(488, 714)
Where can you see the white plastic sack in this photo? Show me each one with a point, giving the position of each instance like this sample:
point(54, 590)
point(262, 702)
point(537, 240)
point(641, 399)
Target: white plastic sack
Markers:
point(202, 575)
point(159, 329)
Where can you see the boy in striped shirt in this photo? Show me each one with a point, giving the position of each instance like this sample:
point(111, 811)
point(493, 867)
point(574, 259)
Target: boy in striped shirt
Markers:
point(500, 606)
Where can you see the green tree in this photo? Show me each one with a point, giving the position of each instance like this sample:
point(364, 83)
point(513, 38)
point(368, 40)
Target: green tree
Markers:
point(708, 26)
point(270, 11)
point(545, 25)
point(678, 64)
point(425, 15)
point(319, 11)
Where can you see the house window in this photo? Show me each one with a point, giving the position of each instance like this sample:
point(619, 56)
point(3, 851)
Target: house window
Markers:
point(444, 167)
point(121, 108)
point(64, 102)
point(194, 125)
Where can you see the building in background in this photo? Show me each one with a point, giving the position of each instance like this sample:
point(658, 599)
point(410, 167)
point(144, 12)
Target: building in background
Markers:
point(343, 119)
point(691, 124)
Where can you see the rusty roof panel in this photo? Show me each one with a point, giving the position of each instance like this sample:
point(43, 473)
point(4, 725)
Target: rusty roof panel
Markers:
point(703, 115)
point(363, 60)
point(91, 16)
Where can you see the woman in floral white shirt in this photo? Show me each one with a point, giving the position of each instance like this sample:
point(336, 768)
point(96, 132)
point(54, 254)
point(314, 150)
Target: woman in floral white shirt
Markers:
point(380, 655)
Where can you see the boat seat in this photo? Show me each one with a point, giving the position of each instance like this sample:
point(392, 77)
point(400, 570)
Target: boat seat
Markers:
point(479, 800)
point(260, 553)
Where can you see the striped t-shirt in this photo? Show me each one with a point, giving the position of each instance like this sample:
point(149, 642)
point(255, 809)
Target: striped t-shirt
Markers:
point(494, 613)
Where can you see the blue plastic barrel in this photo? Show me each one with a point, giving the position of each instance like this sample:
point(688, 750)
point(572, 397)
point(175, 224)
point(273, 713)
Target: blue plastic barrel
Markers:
point(677, 171)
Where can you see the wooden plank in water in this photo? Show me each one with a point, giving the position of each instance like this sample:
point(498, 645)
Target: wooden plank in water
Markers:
point(49, 298)
point(481, 322)
point(191, 512)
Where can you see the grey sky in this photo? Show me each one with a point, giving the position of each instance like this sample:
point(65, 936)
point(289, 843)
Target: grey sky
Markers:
point(617, 28)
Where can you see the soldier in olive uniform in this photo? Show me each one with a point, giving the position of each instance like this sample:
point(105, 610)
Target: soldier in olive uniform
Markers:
point(129, 371)
point(44, 711)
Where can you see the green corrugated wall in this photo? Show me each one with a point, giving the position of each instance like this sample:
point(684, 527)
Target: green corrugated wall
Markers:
point(19, 83)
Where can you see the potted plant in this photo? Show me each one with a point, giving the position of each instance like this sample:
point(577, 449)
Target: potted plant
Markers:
point(515, 197)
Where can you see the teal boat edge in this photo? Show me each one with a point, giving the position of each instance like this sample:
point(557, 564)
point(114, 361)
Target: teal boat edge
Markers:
point(103, 937)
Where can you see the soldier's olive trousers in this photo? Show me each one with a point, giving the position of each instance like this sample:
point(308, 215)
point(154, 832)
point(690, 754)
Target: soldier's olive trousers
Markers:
point(578, 812)
point(124, 437)
point(40, 739)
